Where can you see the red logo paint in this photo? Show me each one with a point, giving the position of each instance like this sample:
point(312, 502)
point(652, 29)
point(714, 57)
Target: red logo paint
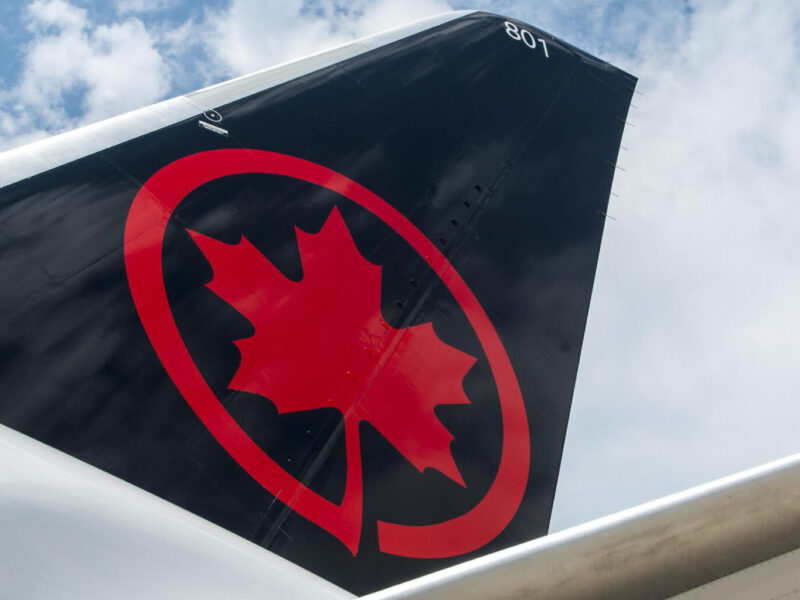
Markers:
point(389, 360)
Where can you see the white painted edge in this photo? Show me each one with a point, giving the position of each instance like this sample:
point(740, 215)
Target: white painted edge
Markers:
point(42, 155)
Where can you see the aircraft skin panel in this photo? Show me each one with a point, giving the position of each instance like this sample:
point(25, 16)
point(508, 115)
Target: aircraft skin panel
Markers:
point(335, 308)
point(738, 533)
point(73, 532)
point(774, 579)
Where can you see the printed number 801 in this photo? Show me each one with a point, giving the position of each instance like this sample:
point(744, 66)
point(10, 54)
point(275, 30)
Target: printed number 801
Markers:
point(525, 36)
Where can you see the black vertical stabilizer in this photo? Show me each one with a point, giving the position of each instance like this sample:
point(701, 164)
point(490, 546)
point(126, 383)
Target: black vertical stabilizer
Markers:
point(342, 316)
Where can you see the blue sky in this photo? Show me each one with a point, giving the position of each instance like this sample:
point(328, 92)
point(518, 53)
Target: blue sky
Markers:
point(691, 362)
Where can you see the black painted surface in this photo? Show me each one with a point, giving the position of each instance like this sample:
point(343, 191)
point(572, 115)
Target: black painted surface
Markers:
point(460, 124)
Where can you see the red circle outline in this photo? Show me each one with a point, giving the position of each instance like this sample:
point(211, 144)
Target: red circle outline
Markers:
point(144, 234)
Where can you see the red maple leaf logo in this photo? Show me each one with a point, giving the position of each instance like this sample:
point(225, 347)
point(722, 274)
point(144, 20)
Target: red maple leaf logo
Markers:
point(322, 342)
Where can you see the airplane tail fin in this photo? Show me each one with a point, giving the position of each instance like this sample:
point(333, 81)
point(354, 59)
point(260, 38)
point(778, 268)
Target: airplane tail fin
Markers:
point(335, 307)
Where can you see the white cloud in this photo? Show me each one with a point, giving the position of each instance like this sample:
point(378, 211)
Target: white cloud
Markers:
point(253, 34)
point(125, 7)
point(75, 72)
point(124, 70)
point(57, 13)
point(689, 370)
